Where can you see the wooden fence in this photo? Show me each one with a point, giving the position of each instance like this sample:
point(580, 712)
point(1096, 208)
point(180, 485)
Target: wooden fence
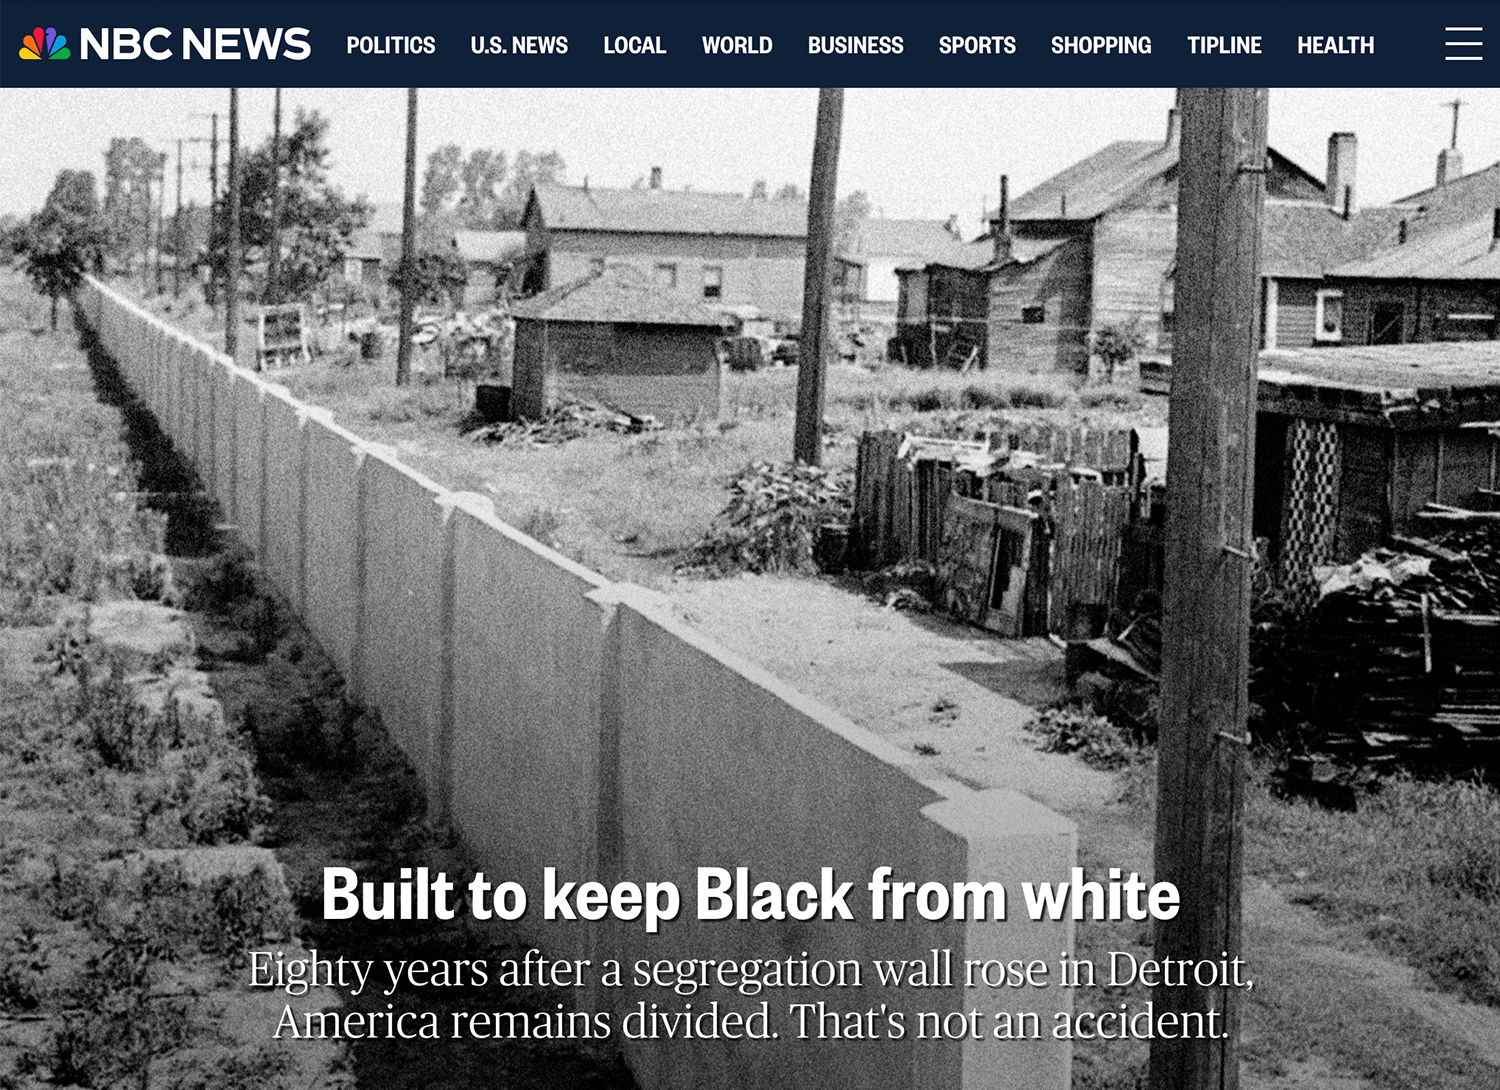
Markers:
point(1050, 546)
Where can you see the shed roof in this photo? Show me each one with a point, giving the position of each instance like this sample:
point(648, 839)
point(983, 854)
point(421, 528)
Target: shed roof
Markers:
point(1467, 251)
point(1401, 385)
point(621, 293)
point(668, 211)
point(1308, 238)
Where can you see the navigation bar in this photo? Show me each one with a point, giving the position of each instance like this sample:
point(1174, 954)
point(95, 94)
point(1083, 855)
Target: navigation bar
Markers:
point(737, 43)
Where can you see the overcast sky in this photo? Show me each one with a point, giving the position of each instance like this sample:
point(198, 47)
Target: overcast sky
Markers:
point(918, 153)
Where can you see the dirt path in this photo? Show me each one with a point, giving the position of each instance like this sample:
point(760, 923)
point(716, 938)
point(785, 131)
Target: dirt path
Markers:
point(953, 693)
point(1330, 1011)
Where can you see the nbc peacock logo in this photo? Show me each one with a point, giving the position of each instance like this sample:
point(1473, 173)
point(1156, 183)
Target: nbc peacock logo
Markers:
point(49, 44)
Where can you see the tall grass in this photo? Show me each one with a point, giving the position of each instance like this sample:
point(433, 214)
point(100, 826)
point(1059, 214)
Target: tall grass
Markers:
point(1417, 868)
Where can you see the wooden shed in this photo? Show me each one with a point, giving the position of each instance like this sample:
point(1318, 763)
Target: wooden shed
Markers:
point(620, 339)
point(1353, 442)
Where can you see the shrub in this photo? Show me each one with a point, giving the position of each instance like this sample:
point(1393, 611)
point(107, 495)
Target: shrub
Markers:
point(1092, 737)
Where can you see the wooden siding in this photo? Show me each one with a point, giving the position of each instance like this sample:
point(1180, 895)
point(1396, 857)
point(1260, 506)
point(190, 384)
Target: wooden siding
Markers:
point(1363, 514)
point(1296, 312)
point(1133, 252)
point(761, 272)
point(1448, 466)
point(1426, 309)
point(1060, 282)
point(670, 372)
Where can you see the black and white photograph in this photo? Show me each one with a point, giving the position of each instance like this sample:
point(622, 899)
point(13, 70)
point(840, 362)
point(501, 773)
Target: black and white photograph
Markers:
point(935, 589)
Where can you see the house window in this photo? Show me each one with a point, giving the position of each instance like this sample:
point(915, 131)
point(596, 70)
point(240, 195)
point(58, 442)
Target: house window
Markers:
point(713, 281)
point(1328, 316)
point(666, 275)
point(596, 266)
point(353, 270)
point(1034, 315)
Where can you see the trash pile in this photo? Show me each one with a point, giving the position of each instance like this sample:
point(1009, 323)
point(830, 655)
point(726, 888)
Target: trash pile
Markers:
point(1458, 570)
point(464, 345)
point(772, 520)
point(564, 423)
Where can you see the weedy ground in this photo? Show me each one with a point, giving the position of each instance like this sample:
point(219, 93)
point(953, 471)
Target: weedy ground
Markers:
point(177, 765)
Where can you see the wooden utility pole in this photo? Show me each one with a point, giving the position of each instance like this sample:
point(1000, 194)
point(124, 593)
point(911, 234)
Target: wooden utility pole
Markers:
point(822, 196)
point(161, 209)
point(273, 257)
point(177, 231)
point(145, 234)
point(1206, 617)
point(408, 244)
point(232, 231)
point(213, 205)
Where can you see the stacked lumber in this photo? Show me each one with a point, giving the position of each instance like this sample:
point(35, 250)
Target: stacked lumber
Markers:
point(1410, 640)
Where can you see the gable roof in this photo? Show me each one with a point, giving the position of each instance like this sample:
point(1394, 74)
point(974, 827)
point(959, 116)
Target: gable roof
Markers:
point(667, 211)
point(1463, 252)
point(1307, 238)
point(1098, 182)
point(1112, 176)
point(621, 293)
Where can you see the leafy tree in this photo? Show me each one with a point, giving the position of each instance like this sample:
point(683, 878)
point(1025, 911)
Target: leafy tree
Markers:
point(131, 166)
point(66, 238)
point(849, 216)
point(531, 168)
point(441, 275)
point(758, 190)
point(1117, 344)
point(791, 191)
point(317, 219)
point(440, 181)
point(482, 174)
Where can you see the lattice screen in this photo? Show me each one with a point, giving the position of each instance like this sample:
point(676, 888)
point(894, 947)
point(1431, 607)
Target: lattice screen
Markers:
point(1310, 516)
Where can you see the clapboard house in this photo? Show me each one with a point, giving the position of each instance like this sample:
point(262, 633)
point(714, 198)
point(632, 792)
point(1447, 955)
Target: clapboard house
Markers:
point(1095, 245)
point(618, 338)
point(1353, 442)
point(1443, 285)
point(716, 247)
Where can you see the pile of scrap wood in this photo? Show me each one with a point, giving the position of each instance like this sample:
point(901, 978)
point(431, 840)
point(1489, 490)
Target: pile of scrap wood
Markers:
point(563, 423)
point(1411, 649)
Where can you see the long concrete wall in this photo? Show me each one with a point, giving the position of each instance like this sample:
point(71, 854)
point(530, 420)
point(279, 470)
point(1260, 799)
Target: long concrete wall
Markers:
point(560, 720)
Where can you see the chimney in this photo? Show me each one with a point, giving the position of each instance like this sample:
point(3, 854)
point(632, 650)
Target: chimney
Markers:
point(1001, 224)
point(656, 177)
point(1450, 166)
point(1340, 192)
point(1174, 127)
